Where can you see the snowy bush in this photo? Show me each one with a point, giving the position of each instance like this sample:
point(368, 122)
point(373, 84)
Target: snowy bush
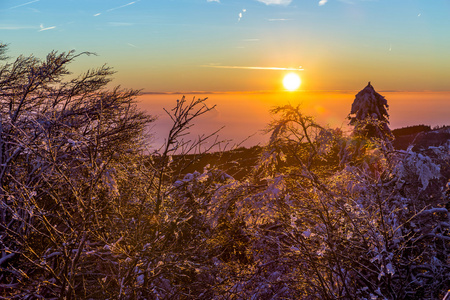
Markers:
point(87, 213)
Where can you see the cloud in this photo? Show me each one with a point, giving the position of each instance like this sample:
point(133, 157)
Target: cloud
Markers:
point(276, 2)
point(241, 14)
point(218, 1)
point(46, 28)
point(354, 1)
point(278, 20)
point(15, 27)
point(322, 2)
point(253, 68)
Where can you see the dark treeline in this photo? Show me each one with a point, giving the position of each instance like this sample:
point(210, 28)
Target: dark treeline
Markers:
point(411, 130)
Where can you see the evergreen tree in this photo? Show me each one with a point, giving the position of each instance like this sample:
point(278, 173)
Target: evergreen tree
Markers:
point(369, 114)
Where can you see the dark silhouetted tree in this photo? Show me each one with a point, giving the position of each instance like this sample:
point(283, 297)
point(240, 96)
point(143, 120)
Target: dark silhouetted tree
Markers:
point(369, 114)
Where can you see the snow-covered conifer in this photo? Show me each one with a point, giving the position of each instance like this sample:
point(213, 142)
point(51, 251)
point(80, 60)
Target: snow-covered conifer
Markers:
point(369, 114)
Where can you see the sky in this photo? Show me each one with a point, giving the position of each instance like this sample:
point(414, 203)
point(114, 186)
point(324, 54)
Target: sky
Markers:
point(238, 52)
point(248, 45)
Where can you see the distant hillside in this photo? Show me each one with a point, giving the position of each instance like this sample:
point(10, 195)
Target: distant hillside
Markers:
point(420, 136)
point(237, 163)
point(241, 161)
point(411, 130)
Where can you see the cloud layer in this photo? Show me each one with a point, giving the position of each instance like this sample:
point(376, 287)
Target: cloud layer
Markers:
point(253, 68)
point(276, 2)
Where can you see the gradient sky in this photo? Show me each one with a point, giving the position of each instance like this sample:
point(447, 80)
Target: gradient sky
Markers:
point(226, 45)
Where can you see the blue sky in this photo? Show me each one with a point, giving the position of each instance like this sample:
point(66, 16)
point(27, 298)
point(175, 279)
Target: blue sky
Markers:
point(174, 45)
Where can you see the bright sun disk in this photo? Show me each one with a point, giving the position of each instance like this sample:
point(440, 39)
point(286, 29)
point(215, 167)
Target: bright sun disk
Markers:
point(291, 81)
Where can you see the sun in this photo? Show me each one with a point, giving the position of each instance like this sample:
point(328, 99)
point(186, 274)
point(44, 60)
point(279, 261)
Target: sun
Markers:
point(291, 81)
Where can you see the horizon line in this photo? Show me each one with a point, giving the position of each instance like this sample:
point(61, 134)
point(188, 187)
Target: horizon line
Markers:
point(279, 91)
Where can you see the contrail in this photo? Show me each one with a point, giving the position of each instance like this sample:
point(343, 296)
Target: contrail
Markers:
point(254, 68)
point(23, 4)
point(119, 7)
point(125, 5)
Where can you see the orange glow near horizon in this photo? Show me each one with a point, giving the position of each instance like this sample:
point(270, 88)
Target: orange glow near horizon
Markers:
point(246, 114)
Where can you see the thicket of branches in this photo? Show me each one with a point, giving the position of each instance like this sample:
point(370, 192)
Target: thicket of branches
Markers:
point(87, 213)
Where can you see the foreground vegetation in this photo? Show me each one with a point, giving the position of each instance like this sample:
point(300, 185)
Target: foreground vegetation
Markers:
point(87, 213)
